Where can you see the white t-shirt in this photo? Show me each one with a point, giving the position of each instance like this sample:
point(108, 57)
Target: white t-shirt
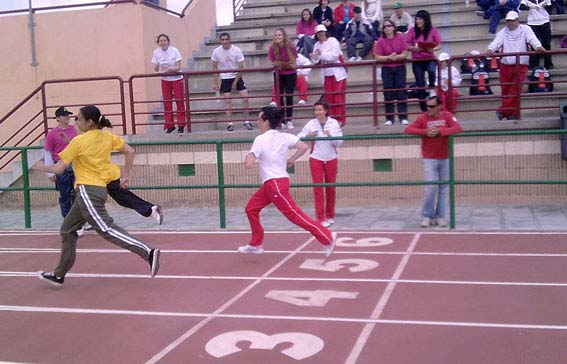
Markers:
point(228, 59)
point(323, 150)
point(167, 59)
point(271, 149)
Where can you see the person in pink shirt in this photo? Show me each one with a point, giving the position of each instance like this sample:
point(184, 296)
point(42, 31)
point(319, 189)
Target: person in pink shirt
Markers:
point(283, 55)
point(423, 39)
point(305, 31)
point(434, 127)
point(271, 151)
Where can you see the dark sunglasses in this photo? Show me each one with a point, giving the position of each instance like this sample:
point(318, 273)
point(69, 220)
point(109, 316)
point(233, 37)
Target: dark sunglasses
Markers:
point(429, 106)
point(388, 26)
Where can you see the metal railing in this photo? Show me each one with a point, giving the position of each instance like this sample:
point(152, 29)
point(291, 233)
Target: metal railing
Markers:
point(221, 186)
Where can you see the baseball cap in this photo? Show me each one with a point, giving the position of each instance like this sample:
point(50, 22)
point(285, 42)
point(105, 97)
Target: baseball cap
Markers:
point(398, 6)
point(62, 111)
point(320, 28)
point(443, 56)
point(512, 15)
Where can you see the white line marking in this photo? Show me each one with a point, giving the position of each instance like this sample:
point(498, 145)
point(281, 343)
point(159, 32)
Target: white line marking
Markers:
point(62, 310)
point(295, 279)
point(367, 330)
point(219, 310)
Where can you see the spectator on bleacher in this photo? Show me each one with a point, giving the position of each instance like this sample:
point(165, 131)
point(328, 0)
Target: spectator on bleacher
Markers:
point(538, 20)
point(514, 37)
point(423, 39)
point(563, 42)
point(357, 31)
point(558, 5)
point(229, 57)
point(323, 14)
point(305, 31)
point(167, 60)
point(302, 81)
point(323, 161)
point(283, 56)
point(327, 50)
point(435, 126)
point(401, 18)
point(342, 14)
point(498, 11)
point(391, 51)
point(485, 5)
point(372, 11)
point(448, 85)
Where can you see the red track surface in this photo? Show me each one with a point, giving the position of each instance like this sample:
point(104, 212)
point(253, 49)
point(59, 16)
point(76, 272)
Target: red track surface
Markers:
point(398, 298)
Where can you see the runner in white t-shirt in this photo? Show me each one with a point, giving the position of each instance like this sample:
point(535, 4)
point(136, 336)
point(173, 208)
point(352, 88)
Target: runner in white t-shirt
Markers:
point(167, 59)
point(230, 57)
point(271, 150)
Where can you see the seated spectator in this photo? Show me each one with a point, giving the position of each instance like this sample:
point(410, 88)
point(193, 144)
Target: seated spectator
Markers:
point(558, 5)
point(448, 85)
point(564, 42)
point(538, 20)
point(372, 11)
point(499, 11)
point(323, 14)
point(342, 15)
point(305, 32)
point(358, 31)
point(484, 5)
point(402, 19)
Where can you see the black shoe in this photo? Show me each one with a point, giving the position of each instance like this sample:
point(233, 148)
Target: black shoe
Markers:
point(248, 125)
point(170, 130)
point(499, 115)
point(181, 130)
point(153, 259)
point(230, 127)
point(511, 117)
point(51, 278)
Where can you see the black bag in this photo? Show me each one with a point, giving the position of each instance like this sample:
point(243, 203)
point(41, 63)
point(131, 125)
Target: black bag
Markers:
point(540, 80)
point(412, 91)
point(480, 80)
point(472, 62)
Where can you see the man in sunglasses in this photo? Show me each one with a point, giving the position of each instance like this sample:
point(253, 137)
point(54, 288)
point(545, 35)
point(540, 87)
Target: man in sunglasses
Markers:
point(435, 126)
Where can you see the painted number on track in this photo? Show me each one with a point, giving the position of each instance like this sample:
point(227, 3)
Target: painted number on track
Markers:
point(354, 265)
point(303, 345)
point(318, 298)
point(364, 243)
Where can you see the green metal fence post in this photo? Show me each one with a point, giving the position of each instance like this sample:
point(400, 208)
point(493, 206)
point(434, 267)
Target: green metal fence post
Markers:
point(26, 186)
point(451, 182)
point(220, 173)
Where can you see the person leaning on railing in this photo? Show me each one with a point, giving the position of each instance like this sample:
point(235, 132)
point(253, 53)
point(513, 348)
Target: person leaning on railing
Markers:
point(514, 37)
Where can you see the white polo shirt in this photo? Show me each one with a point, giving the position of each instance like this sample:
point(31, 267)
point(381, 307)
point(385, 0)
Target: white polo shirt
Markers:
point(271, 149)
point(167, 59)
point(228, 59)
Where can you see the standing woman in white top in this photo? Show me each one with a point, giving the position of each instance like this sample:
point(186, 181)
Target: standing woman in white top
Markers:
point(167, 59)
point(323, 161)
point(271, 150)
point(372, 11)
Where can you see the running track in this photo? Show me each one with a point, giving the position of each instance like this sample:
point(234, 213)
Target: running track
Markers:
point(395, 298)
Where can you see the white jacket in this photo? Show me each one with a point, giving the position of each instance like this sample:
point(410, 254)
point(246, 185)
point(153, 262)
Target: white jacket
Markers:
point(374, 11)
point(330, 53)
point(511, 41)
point(323, 150)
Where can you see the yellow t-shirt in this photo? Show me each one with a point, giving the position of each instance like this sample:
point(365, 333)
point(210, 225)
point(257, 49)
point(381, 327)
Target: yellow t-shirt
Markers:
point(90, 154)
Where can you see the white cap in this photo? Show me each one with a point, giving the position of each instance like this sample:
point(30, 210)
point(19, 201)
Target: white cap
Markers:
point(512, 15)
point(443, 56)
point(320, 28)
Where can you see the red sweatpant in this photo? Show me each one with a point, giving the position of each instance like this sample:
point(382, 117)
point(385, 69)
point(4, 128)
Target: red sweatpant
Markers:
point(512, 80)
point(301, 85)
point(452, 105)
point(335, 97)
point(324, 172)
point(175, 89)
point(276, 191)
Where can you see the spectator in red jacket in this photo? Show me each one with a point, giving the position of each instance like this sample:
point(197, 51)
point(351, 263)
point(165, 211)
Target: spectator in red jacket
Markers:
point(343, 13)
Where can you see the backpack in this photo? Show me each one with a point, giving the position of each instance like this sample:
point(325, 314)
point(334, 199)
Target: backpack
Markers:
point(412, 91)
point(540, 80)
point(491, 64)
point(472, 62)
point(480, 80)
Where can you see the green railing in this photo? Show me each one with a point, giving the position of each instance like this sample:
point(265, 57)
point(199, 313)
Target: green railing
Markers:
point(221, 186)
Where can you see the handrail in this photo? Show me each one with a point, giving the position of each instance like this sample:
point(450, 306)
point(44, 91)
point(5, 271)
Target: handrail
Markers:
point(20, 104)
point(157, 7)
point(221, 186)
point(236, 7)
point(57, 7)
point(185, 8)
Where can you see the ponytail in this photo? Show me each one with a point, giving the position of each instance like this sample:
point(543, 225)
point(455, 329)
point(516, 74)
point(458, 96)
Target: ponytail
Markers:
point(104, 123)
point(91, 112)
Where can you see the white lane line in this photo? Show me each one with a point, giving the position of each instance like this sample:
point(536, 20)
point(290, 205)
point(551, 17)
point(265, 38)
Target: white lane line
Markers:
point(222, 308)
point(297, 279)
point(63, 310)
point(367, 330)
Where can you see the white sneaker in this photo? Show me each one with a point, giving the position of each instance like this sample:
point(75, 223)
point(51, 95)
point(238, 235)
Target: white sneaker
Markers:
point(273, 103)
point(358, 59)
point(249, 249)
point(388, 123)
point(80, 232)
point(157, 214)
point(405, 122)
point(441, 223)
point(352, 59)
point(248, 125)
point(326, 223)
point(426, 222)
point(230, 127)
point(328, 249)
point(290, 125)
point(87, 226)
point(331, 221)
point(301, 102)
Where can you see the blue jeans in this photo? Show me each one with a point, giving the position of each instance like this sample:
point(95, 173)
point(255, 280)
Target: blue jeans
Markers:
point(65, 184)
point(419, 68)
point(395, 78)
point(435, 170)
